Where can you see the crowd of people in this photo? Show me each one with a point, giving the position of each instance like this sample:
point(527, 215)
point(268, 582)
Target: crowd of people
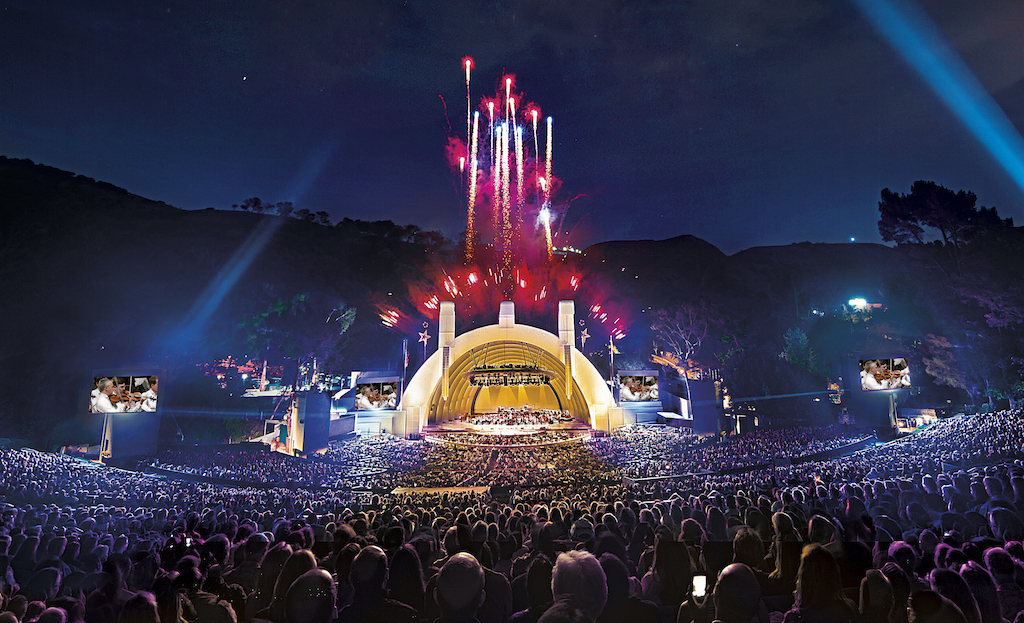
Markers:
point(383, 462)
point(648, 451)
point(928, 527)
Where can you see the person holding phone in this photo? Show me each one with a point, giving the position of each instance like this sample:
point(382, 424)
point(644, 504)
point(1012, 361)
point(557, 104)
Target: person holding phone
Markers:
point(736, 598)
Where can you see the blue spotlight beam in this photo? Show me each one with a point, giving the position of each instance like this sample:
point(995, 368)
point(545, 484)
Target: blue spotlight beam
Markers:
point(914, 35)
point(225, 279)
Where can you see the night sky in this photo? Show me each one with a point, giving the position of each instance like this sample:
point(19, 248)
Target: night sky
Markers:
point(745, 123)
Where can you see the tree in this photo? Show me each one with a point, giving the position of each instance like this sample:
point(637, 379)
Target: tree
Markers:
point(682, 332)
point(940, 362)
point(298, 329)
point(933, 213)
point(323, 218)
point(255, 204)
point(798, 352)
point(431, 239)
point(305, 215)
point(285, 208)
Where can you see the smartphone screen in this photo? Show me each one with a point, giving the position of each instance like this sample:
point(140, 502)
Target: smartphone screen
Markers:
point(700, 585)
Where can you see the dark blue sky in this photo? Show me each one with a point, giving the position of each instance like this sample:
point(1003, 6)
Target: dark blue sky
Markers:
point(743, 123)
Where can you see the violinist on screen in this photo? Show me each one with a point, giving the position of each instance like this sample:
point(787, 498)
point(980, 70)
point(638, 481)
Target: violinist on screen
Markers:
point(104, 404)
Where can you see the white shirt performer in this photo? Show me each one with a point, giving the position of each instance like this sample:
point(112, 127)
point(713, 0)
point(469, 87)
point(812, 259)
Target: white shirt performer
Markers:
point(868, 380)
point(149, 398)
point(103, 403)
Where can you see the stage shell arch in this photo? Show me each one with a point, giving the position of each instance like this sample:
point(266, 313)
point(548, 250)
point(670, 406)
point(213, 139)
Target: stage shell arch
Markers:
point(589, 398)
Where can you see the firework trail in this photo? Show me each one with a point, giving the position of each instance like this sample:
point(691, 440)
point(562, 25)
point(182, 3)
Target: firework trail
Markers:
point(520, 186)
point(506, 200)
point(468, 62)
point(470, 233)
point(547, 166)
point(513, 179)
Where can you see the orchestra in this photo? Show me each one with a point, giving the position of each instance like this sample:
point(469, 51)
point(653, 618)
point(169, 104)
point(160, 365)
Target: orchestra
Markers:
point(373, 398)
point(519, 416)
point(112, 395)
point(884, 374)
point(638, 389)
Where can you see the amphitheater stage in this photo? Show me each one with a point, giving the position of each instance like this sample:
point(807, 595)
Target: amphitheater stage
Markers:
point(503, 429)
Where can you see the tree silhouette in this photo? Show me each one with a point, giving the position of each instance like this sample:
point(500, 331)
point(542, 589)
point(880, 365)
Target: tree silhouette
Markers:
point(298, 329)
point(683, 332)
point(933, 213)
point(285, 208)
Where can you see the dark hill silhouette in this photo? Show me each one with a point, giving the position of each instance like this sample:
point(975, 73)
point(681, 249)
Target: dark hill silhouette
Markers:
point(812, 274)
point(658, 272)
point(99, 278)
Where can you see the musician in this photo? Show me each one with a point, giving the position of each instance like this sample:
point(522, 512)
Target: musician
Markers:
point(103, 403)
point(364, 401)
point(868, 376)
point(389, 397)
point(148, 403)
point(652, 393)
point(629, 391)
point(94, 396)
point(900, 368)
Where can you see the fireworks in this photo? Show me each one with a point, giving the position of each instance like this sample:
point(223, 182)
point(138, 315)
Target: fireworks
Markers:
point(470, 233)
point(545, 217)
point(506, 179)
point(512, 210)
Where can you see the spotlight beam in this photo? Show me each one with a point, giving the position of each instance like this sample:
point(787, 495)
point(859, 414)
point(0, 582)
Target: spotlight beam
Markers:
point(913, 34)
point(225, 280)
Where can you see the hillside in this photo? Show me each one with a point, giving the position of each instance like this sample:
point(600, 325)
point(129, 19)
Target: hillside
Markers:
point(100, 278)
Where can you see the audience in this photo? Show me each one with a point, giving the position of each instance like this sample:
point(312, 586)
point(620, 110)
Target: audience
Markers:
point(927, 527)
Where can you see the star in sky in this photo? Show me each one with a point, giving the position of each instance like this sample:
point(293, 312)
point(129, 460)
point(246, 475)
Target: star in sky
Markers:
point(424, 337)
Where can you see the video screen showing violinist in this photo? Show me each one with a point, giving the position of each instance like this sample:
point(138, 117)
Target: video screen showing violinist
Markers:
point(376, 396)
point(638, 388)
point(118, 394)
point(879, 374)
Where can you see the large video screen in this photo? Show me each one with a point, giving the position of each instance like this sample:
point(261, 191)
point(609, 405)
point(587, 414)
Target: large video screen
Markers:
point(376, 396)
point(114, 394)
point(638, 388)
point(881, 374)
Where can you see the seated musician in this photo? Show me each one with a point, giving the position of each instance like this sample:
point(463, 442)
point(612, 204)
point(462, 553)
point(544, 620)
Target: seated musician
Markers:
point(870, 377)
point(630, 391)
point(103, 401)
point(148, 402)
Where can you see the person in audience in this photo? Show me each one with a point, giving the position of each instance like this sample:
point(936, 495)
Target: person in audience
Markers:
point(819, 590)
point(737, 596)
point(311, 598)
point(579, 578)
point(370, 603)
point(622, 607)
point(460, 589)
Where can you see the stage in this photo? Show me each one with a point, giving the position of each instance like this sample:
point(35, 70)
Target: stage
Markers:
point(505, 435)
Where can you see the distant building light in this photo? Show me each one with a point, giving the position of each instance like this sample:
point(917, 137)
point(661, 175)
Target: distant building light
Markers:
point(859, 303)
